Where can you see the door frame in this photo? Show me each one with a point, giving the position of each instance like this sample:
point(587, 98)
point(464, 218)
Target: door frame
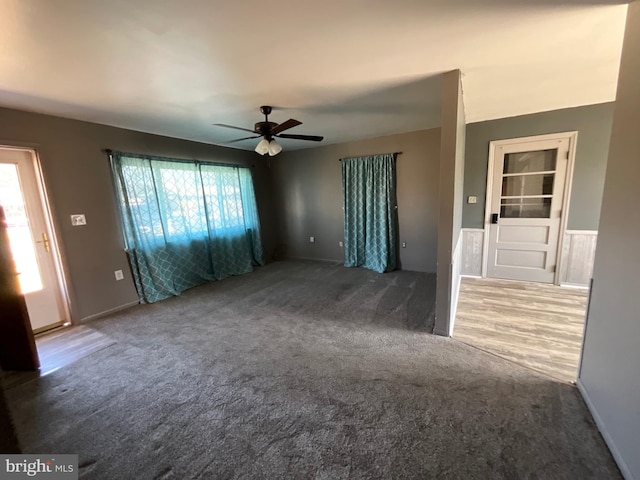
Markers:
point(493, 145)
point(62, 288)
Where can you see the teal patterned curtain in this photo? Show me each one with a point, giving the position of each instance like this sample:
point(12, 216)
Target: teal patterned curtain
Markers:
point(370, 227)
point(185, 223)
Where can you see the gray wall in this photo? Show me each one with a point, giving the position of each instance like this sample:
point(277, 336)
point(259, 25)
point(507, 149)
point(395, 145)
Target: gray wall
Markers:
point(610, 371)
point(308, 187)
point(593, 124)
point(78, 180)
point(452, 160)
point(460, 161)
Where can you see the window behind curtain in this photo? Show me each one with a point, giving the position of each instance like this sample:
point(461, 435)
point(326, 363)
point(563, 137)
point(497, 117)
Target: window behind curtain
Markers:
point(185, 222)
point(370, 222)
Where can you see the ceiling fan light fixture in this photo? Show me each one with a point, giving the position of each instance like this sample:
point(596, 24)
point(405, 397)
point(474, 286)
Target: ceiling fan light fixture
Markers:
point(263, 147)
point(274, 148)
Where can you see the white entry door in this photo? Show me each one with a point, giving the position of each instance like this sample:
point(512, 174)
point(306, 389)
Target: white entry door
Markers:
point(526, 200)
point(30, 238)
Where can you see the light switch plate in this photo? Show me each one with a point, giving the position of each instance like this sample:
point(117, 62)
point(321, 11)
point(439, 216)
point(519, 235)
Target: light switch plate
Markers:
point(78, 219)
point(312, 239)
point(472, 199)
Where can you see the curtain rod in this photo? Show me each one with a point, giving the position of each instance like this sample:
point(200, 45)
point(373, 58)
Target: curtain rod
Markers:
point(392, 153)
point(108, 151)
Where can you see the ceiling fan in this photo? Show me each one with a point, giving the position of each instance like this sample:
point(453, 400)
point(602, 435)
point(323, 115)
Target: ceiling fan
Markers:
point(268, 131)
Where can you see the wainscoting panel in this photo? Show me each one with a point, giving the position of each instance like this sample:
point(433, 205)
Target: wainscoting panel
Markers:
point(578, 252)
point(471, 251)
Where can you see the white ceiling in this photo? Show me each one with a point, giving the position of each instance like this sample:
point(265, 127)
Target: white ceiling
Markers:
point(347, 69)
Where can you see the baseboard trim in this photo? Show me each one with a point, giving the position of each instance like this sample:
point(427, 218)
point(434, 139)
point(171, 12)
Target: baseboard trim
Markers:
point(326, 260)
point(48, 328)
point(575, 285)
point(441, 333)
point(624, 469)
point(108, 312)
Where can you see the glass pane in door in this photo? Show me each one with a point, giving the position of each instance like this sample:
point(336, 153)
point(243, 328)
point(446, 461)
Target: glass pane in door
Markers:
point(525, 208)
point(523, 185)
point(527, 184)
point(528, 162)
point(20, 238)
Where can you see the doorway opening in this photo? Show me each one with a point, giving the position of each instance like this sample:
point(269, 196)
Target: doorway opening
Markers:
point(518, 309)
point(32, 239)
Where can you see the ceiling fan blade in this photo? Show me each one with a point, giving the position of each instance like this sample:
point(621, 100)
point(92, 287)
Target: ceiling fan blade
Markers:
point(285, 126)
point(313, 138)
point(236, 128)
point(241, 139)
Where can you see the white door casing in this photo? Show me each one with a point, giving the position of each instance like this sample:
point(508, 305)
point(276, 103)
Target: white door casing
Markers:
point(32, 239)
point(528, 189)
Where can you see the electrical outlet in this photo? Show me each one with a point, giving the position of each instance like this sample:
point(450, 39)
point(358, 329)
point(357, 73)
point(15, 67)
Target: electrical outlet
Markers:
point(312, 239)
point(78, 220)
point(472, 199)
point(119, 275)
point(341, 244)
point(404, 244)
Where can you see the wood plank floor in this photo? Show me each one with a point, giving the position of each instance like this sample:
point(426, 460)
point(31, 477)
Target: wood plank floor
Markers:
point(536, 325)
point(59, 348)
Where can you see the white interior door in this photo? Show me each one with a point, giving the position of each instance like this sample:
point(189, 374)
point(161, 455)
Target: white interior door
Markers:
point(31, 239)
point(527, 191)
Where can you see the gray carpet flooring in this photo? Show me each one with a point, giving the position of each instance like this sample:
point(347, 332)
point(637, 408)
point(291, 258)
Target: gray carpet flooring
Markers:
point(304, 370)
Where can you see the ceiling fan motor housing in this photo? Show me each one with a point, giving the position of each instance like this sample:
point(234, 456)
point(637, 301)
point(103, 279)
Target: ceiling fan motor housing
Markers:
point(265, 127)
